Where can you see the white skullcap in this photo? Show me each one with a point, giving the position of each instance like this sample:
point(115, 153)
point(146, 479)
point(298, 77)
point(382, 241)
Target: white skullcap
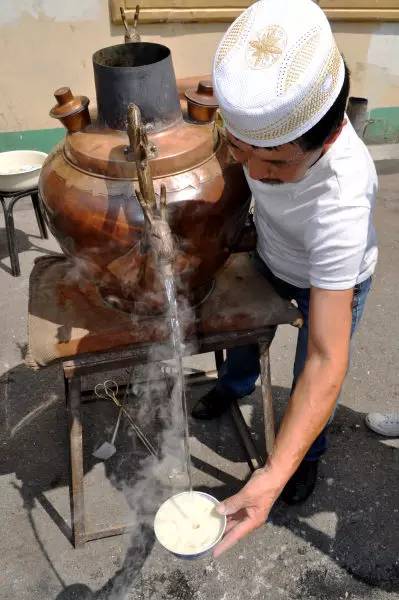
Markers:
point(277, 71)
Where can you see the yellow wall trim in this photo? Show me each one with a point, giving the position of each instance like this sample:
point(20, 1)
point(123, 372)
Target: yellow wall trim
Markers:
point(167, 11)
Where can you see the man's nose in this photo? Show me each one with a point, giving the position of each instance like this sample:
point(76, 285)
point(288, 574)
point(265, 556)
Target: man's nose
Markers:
point(258, 169)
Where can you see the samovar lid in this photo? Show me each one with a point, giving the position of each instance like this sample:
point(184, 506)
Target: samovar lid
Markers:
point(202, 94)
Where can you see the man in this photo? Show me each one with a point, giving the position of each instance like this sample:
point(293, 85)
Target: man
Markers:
point(282, 87)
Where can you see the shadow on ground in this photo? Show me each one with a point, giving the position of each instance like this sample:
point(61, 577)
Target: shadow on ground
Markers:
point(23, 243)
point(359, 482)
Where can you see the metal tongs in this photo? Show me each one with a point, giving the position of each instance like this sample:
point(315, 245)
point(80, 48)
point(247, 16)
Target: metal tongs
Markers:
point(109, 390)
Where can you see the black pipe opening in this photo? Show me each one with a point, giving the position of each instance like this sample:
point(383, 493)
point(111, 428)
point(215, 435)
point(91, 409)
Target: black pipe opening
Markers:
point(141, 73)
point(131, 55)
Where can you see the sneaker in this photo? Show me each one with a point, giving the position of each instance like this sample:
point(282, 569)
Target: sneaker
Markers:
point(384, 424)
point(213, 405)
point(302, 483)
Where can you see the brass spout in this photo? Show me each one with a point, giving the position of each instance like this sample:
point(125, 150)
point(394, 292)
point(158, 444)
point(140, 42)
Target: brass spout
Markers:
point(159, 233)
point(155, 214)
point(140, 151)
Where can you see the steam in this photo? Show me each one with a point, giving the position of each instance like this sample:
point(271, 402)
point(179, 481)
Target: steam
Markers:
point(155, 400)
point(157, 395)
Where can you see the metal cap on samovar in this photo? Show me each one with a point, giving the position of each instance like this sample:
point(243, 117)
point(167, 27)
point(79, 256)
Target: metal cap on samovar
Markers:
point(202, 104)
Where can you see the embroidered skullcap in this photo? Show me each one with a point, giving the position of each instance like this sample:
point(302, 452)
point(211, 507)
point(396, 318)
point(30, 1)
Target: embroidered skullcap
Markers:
point(277, 71)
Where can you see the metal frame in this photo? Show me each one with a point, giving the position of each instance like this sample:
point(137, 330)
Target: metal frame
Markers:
point(75, 368)
point(8, 201)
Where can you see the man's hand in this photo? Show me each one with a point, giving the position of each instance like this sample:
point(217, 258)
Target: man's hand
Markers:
point(310, 406)
point(248, 509)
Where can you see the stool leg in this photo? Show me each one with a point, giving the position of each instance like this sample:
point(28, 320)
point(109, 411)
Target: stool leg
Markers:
point(219, 359)
point(73, 390)
point(10, 231)
point(254, 458)
point(267, 396)
point(39, 215)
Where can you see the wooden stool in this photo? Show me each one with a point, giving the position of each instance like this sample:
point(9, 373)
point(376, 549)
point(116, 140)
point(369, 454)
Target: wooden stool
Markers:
point(250, 315)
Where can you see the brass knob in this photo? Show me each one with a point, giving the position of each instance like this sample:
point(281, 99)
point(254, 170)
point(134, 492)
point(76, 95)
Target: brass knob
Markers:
point(71, 110)
point(63, 95)
point(205, 87)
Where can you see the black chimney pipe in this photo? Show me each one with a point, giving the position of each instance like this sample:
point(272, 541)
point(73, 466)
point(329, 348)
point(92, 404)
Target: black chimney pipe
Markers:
point(141, 73)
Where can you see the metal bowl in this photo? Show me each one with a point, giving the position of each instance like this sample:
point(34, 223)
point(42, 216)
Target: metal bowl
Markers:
point(204, 551)
point(20, 169)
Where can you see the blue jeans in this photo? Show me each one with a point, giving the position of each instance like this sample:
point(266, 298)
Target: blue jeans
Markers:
point(241, 369)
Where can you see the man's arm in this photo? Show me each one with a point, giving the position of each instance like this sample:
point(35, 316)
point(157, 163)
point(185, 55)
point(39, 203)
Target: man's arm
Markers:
point(308, 410)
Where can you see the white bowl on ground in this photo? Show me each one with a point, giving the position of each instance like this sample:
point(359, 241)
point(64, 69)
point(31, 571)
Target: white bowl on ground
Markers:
point(20, 169)
point(188, 526)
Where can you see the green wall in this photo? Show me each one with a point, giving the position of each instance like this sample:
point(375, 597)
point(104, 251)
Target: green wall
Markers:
point(36, 139)
point(383, 128)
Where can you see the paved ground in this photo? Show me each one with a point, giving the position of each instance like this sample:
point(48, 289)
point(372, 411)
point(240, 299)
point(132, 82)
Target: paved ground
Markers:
point(343, 543)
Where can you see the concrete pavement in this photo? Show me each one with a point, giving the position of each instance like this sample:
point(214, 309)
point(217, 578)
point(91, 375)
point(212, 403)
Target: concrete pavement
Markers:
point(342, 543)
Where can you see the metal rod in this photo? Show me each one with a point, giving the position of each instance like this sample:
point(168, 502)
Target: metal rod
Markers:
point(76, 460)
point(109, 532)
point(267, 397)
point(254, 458)
point(125, 25)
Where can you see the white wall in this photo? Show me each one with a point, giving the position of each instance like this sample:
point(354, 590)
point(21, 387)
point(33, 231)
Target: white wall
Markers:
point(48, 43)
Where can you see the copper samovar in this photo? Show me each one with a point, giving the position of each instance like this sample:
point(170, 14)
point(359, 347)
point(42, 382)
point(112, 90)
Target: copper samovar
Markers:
point(88, 184)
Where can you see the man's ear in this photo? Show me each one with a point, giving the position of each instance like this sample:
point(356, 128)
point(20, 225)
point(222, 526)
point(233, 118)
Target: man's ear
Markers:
point(334, 136)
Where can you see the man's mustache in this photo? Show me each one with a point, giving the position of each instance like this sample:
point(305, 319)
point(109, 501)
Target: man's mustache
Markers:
point(272, 181)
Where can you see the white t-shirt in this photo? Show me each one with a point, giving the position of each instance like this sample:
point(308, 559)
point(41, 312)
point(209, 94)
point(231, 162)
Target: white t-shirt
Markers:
point(319, 232)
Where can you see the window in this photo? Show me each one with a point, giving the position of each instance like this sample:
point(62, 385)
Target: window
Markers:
point(158, 11)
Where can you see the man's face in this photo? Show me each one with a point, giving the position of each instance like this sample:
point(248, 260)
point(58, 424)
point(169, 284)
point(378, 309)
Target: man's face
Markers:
point(283, 164)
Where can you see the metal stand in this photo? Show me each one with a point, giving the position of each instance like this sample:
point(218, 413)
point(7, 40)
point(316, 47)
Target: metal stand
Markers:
point(90, 363)
point(8, 201)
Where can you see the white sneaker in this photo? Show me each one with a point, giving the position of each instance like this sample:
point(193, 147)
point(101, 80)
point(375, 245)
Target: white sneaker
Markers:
point(387, 424)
